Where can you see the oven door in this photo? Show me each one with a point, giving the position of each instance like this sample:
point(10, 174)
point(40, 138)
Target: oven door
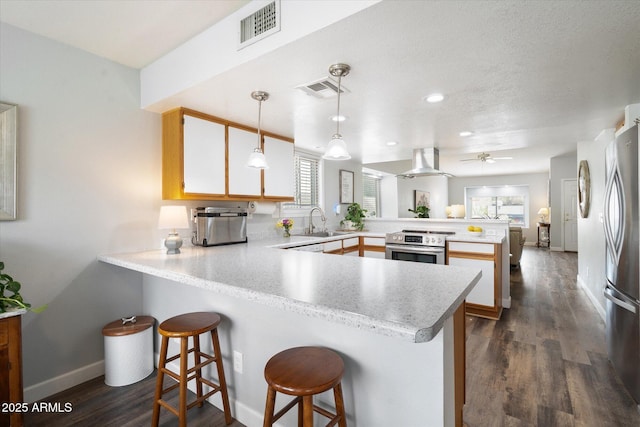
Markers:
point(426, 254)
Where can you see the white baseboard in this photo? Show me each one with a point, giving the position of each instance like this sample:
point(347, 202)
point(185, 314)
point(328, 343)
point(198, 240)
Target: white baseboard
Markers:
point(506, 302)
point(62, 382)
point(556, 249)
point(591, 297)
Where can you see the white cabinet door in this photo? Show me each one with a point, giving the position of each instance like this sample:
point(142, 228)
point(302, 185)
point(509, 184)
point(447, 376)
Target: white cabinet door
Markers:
point(333, 246)
point(374, 254)
point(243, 180)
point(483, 293)
point(279, 178)
point(204, 155)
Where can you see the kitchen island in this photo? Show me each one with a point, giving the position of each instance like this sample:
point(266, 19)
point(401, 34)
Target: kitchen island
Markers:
point(392, 322)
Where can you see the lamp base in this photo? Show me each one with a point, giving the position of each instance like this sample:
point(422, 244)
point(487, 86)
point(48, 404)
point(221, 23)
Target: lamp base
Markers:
point(173, 243)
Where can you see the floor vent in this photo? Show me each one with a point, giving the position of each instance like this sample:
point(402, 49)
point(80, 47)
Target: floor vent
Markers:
point(325, 87)
point(260, 24)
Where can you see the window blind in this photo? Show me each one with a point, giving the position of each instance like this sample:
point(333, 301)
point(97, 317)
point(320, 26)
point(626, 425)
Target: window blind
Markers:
point(306, 177)
point(371, 194)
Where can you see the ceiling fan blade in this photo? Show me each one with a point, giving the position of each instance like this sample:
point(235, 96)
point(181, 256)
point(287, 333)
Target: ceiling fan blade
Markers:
point(469, 160)
point(490, 160)
point(502, 158)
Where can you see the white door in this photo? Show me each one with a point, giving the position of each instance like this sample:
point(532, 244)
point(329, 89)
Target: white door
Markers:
point(570, 214)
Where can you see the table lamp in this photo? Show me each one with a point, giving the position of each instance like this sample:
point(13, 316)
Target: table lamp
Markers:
point(171, 218)
point(457, 211)
point(543, 212)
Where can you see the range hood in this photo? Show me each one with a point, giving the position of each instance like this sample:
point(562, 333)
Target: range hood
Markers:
point(426, 162)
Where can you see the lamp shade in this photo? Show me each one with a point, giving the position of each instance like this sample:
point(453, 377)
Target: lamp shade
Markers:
point(457, 211)
point(543, 211)
point(337, 149)
point(173, 217)
point(257, 160)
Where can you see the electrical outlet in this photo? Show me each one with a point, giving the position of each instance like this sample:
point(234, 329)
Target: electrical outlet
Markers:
point(237, 361)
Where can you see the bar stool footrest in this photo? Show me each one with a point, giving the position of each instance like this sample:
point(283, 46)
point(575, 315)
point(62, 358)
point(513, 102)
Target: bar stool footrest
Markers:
point(284, 410)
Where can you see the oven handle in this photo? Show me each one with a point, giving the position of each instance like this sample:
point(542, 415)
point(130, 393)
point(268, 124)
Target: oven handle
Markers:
point(416, 249)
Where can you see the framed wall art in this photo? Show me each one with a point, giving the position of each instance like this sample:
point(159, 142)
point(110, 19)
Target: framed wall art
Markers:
point(8, 163)
point(346, 186)
point(421, 198)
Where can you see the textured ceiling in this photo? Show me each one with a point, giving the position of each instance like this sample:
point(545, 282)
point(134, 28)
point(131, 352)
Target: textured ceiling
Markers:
point(530, 79)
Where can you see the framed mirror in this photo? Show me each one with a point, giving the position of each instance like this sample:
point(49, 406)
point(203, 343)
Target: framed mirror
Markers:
point(584, 188)
point(8, 162)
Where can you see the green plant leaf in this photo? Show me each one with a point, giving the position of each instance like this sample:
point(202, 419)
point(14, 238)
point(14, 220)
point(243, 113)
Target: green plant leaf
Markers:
point(14, 287)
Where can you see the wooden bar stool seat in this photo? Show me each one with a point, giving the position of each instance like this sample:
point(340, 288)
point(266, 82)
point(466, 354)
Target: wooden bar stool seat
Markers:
point(183, 327)
point(304, 372)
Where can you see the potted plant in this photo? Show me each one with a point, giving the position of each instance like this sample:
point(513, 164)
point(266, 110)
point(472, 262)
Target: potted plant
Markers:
point(421, 211)
point(354, 219)
point(10, 298)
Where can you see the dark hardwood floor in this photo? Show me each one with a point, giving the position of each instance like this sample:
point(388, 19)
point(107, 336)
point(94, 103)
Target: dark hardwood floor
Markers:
point(543, 364)
point(96, 404)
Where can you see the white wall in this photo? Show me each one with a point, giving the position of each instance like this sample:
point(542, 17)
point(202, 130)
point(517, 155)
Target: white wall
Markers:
point(331, 183)
point(561, 167)
point(537, 183)
point(436, 186)
point(591, 242)
point(89, 183)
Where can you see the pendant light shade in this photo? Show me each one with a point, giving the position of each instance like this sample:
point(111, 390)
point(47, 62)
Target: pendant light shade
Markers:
point(337, 148)
point(256, 158)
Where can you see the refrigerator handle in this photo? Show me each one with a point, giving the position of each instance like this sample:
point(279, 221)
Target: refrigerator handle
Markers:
point(613, 238)
point(617, 301)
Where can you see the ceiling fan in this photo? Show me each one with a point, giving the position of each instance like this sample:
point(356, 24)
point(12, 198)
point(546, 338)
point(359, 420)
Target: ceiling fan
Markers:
point(486, 158)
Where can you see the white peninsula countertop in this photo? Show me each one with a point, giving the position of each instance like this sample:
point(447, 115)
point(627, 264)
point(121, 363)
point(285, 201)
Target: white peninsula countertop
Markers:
point(410, 301)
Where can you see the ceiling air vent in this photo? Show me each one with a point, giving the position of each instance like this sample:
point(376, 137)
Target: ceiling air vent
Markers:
point(260, 24)
point(325, 87)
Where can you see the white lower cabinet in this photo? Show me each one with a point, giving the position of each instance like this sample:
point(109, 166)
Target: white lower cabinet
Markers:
point(485, 299)
point(373, 247)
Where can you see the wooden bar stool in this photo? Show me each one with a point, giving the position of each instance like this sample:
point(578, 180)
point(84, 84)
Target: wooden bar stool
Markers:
point(304, 372)
point(183, 327)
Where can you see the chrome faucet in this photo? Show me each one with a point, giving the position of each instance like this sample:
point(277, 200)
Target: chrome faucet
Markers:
point(322, 218)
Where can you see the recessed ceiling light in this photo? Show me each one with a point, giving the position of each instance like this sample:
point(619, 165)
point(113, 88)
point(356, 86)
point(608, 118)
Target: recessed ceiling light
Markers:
point(433, 98)
point(392, 143)
point(466, 133)
point(339, 118)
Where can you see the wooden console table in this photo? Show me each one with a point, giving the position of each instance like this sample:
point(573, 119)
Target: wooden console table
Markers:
point(11, 356)
point(544, 234)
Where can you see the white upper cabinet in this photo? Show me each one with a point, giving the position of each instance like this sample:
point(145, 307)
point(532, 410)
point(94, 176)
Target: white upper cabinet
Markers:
point(279, 178)
point(243, 180)
point(204, 156)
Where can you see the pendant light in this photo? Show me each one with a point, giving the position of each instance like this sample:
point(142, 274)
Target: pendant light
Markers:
point(257, 159)
point(337, 148)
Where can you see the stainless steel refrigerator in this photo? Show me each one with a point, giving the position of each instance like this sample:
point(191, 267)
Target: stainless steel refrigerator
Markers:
point(622, 235)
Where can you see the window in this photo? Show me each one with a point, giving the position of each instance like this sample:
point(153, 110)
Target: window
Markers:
point(306, 181)
point(500, 202)
point(371, 194)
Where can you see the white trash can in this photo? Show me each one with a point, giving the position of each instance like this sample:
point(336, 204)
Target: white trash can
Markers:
point(128, 350)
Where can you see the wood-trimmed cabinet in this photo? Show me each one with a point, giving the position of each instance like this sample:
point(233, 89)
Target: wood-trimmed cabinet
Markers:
point(204, 157)
point(11, 372)
point(372, 247)
point(485, 299)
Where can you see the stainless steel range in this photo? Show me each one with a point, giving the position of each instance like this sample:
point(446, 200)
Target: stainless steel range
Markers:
point(417, 246)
